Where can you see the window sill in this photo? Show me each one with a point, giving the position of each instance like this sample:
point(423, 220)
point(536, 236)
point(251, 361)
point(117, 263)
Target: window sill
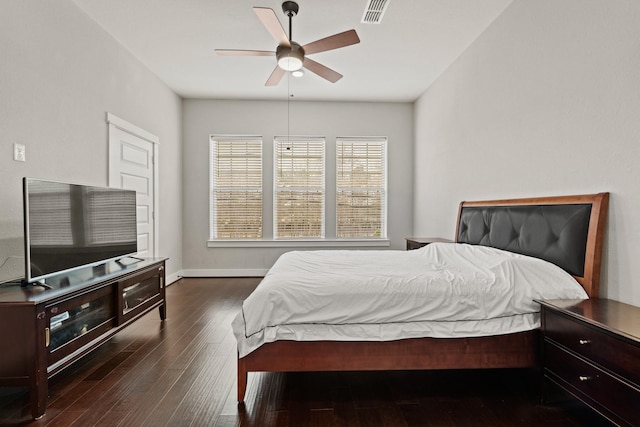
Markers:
point(301, 243)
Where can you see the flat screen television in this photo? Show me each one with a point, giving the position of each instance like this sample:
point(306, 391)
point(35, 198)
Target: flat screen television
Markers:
point(68, 226)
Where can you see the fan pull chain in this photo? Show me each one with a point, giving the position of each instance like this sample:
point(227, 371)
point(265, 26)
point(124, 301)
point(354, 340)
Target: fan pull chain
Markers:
point(289, 109)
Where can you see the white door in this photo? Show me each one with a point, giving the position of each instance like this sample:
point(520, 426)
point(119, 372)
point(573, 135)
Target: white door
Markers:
point(131, 166)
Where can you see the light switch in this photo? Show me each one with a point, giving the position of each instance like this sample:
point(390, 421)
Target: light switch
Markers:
point(19, 153)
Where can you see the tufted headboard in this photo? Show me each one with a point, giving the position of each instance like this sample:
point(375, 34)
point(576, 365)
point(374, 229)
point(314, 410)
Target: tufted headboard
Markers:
point(566, 231)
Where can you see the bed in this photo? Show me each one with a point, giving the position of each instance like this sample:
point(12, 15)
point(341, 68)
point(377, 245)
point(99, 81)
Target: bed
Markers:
point(565, 232)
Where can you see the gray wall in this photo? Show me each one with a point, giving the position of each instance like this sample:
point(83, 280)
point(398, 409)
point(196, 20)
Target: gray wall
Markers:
point(545, 102)
point(60, 75)
point(268, 119)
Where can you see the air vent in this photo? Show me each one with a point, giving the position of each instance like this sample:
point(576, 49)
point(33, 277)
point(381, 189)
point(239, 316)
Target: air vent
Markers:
point(374, 11)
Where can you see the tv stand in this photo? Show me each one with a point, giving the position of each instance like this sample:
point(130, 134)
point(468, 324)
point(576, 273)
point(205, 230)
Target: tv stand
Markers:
point(51, 327)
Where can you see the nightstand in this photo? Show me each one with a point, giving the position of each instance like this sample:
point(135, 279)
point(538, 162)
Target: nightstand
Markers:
point(591, 348)
point(418, 242)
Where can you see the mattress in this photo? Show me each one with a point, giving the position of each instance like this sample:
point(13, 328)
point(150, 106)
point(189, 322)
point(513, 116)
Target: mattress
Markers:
point(442, 290)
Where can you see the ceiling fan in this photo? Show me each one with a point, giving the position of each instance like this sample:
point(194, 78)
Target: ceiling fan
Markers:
point(290, 55)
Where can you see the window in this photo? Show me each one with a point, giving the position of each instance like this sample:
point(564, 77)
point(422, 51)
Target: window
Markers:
point(361, 180)
point(296, 211)
point(236, 188)
point(299, 188)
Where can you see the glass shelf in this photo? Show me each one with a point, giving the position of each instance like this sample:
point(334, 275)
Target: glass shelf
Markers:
point(139, 293)
point(70, 321)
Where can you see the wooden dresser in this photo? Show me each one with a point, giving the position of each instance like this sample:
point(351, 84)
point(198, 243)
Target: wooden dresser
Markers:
point(591, 349)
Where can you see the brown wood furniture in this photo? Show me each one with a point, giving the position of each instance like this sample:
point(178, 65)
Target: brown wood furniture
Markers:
point(183, 375)
point(591, 349)
point(418, 242)
point(503, 351)
point(45, 330)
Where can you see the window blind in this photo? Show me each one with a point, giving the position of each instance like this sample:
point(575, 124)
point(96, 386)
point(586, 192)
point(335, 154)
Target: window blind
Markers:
point(236, 188)
point(299, 187)
point(361, 183)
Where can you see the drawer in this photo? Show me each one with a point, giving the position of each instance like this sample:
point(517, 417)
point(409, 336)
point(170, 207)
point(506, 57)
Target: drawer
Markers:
point(613, 353)
point(592, 385)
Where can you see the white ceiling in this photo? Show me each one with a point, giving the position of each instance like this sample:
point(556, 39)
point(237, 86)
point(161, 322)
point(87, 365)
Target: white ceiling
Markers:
point(396, 60)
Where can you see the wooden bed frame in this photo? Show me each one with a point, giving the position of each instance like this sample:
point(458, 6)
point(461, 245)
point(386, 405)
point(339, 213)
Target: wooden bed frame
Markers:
point(519, 350)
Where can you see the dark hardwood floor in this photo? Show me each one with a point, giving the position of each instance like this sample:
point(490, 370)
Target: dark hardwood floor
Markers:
point(182, 372)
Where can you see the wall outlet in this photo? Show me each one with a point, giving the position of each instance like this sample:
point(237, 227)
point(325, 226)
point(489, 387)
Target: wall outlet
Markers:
point(19, 153)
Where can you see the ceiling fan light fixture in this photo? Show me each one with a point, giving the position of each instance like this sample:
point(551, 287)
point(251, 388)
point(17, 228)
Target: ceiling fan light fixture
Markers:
point(290, 58)
point(290, 63)
point(297, 73)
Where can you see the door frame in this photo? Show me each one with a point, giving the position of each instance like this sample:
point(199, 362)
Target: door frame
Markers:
point(114, 121)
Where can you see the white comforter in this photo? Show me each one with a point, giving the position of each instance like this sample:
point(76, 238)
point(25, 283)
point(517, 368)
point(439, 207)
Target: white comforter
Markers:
point(441, 290)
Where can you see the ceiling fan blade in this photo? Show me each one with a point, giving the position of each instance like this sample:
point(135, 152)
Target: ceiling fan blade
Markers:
point(235, 52)
point(275, 77)
point(270, 21)
point(335, 41)
point(324, 72)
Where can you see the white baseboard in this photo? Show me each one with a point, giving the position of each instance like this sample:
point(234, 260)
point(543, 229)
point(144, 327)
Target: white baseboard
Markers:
point(174, 277)
point(225, 272)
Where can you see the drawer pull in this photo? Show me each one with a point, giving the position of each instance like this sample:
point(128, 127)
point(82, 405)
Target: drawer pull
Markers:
point(583, 378)
point(583, 342)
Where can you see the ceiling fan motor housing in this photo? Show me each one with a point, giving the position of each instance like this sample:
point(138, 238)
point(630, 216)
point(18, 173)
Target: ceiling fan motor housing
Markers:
point(290, 58)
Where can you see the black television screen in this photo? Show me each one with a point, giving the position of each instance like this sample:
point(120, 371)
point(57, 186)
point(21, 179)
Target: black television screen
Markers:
point(67, 226)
